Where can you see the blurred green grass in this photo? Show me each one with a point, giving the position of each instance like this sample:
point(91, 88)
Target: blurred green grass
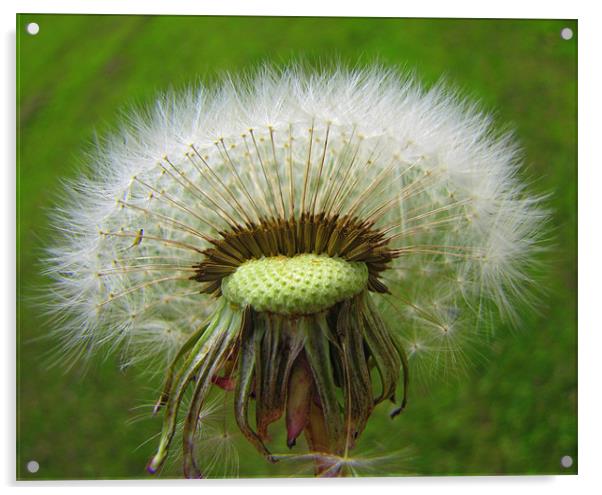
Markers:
point(514, 414)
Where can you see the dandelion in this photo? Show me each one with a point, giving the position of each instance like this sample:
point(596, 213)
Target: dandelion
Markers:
point(299, 241)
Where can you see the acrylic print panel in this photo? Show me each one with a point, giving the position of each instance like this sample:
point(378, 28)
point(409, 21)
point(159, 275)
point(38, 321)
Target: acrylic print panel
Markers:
point(302, 244)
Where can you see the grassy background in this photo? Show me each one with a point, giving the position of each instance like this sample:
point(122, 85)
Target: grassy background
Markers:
point(516, 413)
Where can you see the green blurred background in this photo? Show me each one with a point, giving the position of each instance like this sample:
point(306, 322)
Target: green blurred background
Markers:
point(514, 414)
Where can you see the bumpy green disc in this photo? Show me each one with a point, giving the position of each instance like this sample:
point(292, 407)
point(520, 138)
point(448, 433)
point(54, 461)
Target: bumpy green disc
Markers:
point(301, 285)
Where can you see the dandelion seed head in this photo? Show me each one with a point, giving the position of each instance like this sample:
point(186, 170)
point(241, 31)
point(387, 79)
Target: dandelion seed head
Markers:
point(412, 186)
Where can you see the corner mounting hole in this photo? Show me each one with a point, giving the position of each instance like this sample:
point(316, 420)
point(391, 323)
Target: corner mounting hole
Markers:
point(566, 33)
point(566, 461)
point(33, 466)
point(33, 28)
